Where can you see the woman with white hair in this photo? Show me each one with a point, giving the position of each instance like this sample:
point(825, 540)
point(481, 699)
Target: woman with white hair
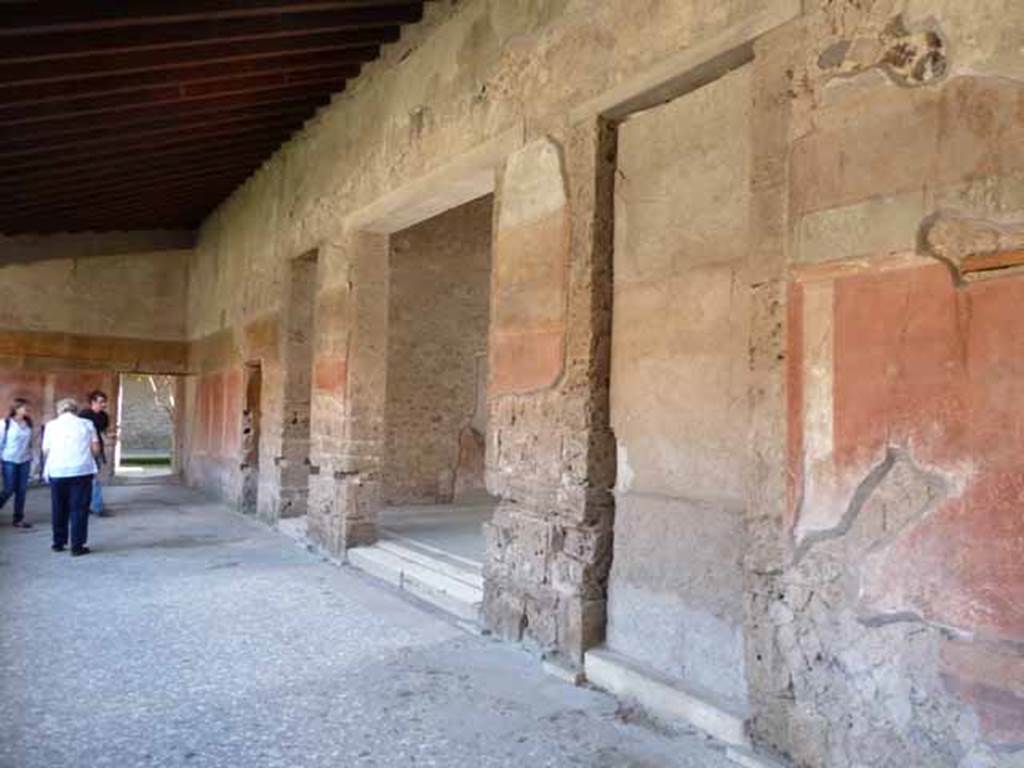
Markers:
point(70, 447)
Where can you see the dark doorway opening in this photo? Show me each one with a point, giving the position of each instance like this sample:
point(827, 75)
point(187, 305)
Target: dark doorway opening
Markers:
point(250, 465)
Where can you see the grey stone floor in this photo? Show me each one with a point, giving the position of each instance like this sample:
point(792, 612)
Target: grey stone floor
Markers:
point(194, 637)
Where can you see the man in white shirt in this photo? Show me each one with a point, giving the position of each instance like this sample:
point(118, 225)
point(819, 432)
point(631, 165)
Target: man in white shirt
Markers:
point(70, 447)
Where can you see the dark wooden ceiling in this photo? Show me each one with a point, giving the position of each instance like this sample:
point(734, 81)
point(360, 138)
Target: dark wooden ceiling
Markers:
point(145, 114)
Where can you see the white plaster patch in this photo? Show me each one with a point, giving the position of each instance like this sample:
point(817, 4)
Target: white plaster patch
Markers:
point(623, 472)
point(534, 184)
point(819, 510)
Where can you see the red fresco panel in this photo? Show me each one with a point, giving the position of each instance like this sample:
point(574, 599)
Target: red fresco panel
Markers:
point(232, 411)
point(216, 414)
point(938, 371)
point(899, 367)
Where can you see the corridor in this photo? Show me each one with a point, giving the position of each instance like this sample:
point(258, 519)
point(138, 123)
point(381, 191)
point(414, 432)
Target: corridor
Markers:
point(196, 637)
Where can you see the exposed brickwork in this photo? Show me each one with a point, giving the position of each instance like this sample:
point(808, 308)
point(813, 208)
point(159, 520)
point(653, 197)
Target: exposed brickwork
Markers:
point(437, 349)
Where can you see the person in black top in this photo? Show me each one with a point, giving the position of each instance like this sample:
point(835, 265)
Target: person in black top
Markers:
point(97, 414)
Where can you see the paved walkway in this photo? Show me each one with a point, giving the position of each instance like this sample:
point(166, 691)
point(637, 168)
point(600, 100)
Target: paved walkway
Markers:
point(194, 637)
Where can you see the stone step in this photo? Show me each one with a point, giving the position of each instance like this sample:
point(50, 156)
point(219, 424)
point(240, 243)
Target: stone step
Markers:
point(431, 584)
point(387, 534)
point(437, 561)
point(663, 697)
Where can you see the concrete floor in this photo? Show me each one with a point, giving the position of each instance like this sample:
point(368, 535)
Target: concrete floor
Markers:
point(453, 528)
point(195, 637)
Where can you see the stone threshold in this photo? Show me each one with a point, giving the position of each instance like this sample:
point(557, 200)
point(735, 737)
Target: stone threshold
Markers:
point(453, 584)
point(665, 697)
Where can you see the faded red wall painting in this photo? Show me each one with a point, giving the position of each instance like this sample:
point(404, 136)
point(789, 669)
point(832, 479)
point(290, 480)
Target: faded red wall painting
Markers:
point(218, 414)
point(901, 362)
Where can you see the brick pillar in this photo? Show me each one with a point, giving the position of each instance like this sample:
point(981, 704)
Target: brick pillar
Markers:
point(550, 451)
point(349, 372)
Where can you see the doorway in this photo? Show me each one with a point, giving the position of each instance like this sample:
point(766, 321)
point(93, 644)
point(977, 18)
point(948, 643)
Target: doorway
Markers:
point(430, 530)
point(146, 415)
point(436, 392)
point(251, 416)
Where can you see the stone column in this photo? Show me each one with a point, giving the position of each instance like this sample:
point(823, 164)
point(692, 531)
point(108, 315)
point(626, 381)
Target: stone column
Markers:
point(550, 451)
point(349, 372)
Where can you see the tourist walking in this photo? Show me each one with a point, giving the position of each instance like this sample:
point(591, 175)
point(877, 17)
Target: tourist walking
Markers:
point(70, 445)
point(16, 458)
point(97, 414)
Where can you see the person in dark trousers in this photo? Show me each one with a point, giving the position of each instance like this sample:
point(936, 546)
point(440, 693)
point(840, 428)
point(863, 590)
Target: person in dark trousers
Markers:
point(16, 458)
point(97, 414)
point(70, 448)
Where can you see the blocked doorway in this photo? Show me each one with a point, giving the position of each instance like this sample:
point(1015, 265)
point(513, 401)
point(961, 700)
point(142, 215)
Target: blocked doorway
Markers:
point(679, 395)
point(252, 414)
point(293, 462)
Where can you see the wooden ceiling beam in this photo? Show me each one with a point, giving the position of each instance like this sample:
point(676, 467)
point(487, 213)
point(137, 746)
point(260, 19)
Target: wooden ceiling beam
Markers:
point(41, 92)
point(115, 145)
point(158, 116)
point(15, 143)
point(124, 165)
point(73, 16)
point(48, 46)
point(14, 167)
point(162, 92)
point(149, 113)
point(101, 65)
point(303, 83)
point(203, 193)
point(198, 199)
point(135, 165)
point(141, 182)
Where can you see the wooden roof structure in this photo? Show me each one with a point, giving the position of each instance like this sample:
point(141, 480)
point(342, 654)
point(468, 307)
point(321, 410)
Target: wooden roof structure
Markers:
point(147, 114)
